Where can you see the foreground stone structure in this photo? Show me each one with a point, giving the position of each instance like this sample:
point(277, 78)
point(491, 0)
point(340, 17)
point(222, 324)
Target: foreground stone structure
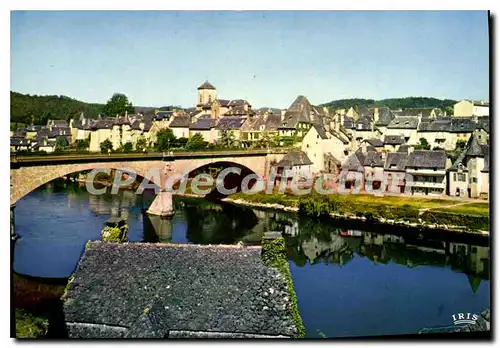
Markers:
point(140, 290)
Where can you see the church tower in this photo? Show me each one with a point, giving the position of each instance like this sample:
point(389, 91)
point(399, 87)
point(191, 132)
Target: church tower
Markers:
point(206, 96)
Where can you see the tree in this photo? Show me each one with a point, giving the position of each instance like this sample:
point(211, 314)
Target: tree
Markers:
point(227, 138)
point(106, 146)
point(141, 144)
point(181, 142)
point(423, 145)
point(61, 144)
point(196, 142)
point(118, 105)
point(165, 139)
point(82, 144)
point(128, 147)
point(265, 141)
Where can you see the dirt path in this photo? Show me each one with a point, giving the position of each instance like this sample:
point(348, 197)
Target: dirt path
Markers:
point(421, 211)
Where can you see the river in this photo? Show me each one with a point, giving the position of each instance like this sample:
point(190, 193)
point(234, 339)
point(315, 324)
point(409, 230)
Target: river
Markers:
point(349, 282)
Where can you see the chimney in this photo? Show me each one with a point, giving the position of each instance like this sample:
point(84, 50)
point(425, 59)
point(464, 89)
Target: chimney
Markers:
point(283, 112)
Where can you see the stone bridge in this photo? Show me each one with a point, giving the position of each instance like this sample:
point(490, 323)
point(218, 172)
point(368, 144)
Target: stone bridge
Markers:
point(29, 172)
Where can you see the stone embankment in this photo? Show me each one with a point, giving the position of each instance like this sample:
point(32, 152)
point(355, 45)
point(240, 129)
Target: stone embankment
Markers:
point(391, 222)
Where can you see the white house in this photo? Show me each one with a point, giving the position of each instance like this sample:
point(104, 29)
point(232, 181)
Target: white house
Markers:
point(319, 145)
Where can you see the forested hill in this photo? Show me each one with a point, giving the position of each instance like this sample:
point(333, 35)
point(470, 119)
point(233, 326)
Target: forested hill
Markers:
point(24, 106)
point(42, 108)
point(393, 103)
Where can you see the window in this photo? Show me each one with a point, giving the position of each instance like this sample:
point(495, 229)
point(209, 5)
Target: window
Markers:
point(209, 98)
point(454, 176)
point(307, 145)
point(474, 180)
point(201, 99)
point(461, 177)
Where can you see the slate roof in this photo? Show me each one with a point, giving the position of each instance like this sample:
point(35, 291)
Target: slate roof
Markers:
point(364, 112)
point(483, 123)
point(238, 102)
point(238, 110)
point(424, 112)
point(375, 142)
point(385, 116)
point(355, 162)
point(299, 111)
point(373, 159)
point(403, 148)
point(348, 122)
point(363, 124)
point(438, 125)
point(404, 122)
point(321, 131)
point(163, 114)
point(203, 124)
point(293, 159)
point(206, 85)
point(273, 121)
point(172, 291)
point(253, 124)
point(463, 125)
point(102, 124)
point(180, 122)
point(230, 122)
point(224, 102)
point(340, 135)
point(396, 161)
point(16, 141)
point(480, 103)
point(393, 140)
point(425, 159)
point(474, 147)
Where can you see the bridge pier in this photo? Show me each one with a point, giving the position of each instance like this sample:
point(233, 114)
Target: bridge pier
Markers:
point(163, 204)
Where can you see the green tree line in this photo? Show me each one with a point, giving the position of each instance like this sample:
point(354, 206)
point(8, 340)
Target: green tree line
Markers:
point(393, 103)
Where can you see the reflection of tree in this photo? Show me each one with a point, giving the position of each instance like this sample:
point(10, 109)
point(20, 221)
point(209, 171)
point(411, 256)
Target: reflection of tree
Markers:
point(210, 226)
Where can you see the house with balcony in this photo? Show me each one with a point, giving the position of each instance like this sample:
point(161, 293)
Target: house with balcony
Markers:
point(426, 172)
point(469, 175)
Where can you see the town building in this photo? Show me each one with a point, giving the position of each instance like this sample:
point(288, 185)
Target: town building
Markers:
point(469, 175)
point(468, 108)
point(426, 172)
point(326, 149)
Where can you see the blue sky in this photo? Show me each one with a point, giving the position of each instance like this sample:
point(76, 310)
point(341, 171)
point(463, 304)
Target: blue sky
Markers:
point(160, 58)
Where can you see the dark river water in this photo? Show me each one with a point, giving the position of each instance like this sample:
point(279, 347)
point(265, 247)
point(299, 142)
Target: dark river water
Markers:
point(349, 282)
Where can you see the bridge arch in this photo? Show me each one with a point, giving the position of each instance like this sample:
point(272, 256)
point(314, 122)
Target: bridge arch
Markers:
point(27, 179)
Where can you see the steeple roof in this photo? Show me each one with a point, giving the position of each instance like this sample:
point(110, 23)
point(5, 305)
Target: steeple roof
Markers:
point(206, 85)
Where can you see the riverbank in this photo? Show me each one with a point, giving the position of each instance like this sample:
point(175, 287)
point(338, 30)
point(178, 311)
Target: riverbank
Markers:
point(414, 212)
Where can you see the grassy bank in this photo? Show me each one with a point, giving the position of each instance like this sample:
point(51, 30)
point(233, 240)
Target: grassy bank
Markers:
point(426, 212)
